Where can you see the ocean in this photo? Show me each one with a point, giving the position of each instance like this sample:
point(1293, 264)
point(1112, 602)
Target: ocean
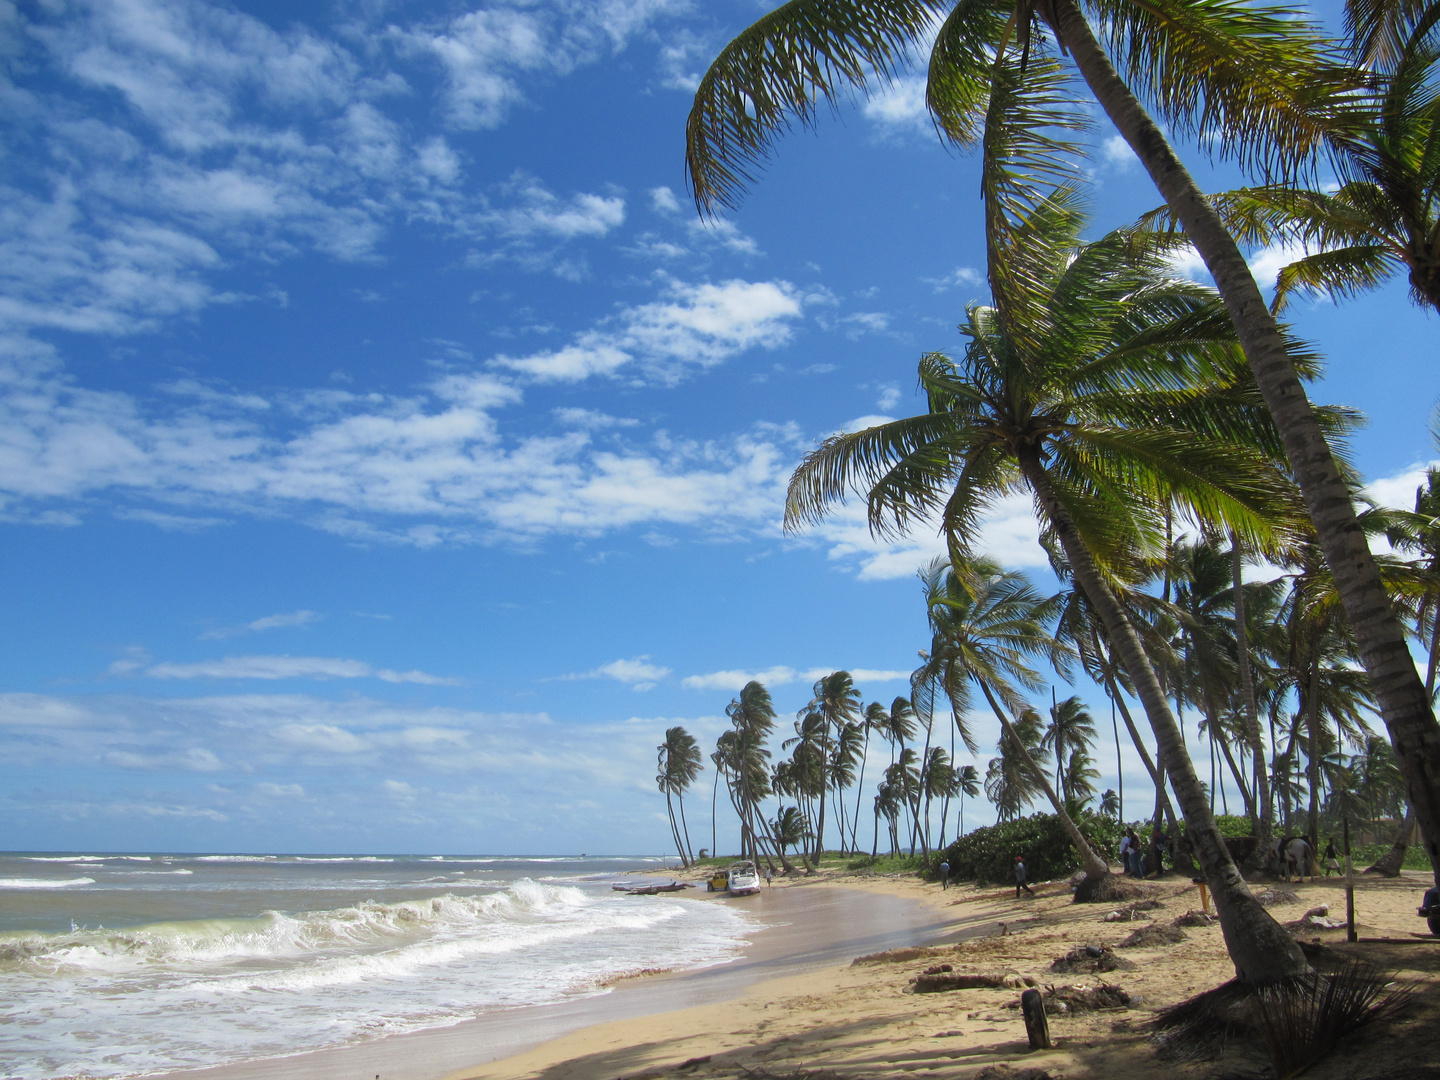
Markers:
point(120, 965)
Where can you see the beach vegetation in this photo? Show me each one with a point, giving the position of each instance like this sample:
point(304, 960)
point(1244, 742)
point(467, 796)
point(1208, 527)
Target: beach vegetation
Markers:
point(987, 855)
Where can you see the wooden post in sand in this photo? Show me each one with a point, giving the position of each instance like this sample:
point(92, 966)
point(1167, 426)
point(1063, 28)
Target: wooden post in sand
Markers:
point(1350, 934)
point(1032, 1005)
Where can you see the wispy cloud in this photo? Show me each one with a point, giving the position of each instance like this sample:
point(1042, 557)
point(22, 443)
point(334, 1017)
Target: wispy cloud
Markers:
point(269, 622)
point(695, 326)
point(781, 675)
point(638, 673)
point(288, 667)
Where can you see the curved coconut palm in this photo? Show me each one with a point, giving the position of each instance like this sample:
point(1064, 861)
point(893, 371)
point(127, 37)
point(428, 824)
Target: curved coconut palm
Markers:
point(1071, 728)
point(989, 624)
point(967, 782)
point(837, 702)
point(1009, 781)
point(1259, 79)
point(680, 763)
point(1109, 389)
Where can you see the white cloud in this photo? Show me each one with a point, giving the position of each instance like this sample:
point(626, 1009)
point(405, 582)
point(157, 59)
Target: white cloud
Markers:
point(962, 277)
point(1398, 491)
point(781, 675)
point(1009, 533)
point(485, 53)
point(888, 399)
point(268, 622)
point(696, 326)
point(663, 201)
point(1116, 153)
point(638, 673)
point(196, 759)
point(1186, 262)
point(900, 108)
point(427, 468)
point(167, 138)
point(1267, 263)
point(280, 791)
point(289, 667)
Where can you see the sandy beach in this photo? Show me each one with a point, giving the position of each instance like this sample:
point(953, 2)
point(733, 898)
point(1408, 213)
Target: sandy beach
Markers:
point(862, 1018)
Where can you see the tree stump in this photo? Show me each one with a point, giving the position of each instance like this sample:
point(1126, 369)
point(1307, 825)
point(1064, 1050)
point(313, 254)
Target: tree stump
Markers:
point(1032, 1005)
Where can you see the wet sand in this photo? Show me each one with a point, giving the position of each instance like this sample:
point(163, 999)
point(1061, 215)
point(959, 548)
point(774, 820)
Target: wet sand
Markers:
point(807, 927)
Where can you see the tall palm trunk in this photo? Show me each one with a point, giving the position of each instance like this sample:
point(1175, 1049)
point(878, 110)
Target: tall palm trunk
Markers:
point(1161, 798)
point(714, 797)
point(1260, 948)
point(1389, 864)
point(684, 826)
point(1091, 863)
point(1263, 825)
point(1378, 632)
point(1212, 721)
point(1312, 761)
point(860, 793)
point(674, 829)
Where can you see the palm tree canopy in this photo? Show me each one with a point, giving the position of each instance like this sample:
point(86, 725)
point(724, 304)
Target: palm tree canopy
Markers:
point(681, 760)
point(1261, 75)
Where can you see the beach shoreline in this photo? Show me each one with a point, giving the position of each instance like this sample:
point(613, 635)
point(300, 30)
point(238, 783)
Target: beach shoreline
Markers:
point(863, 1019)
point(806, 925)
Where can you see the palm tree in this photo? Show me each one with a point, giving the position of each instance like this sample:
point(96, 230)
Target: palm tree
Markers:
point(1109, 389)
point(1259, 80)
point(680, 762)
point(790, 829)
point(752, 719)
point(967, 782)
point(875, 719)
point(1071, 728)
point(1009, 782)
point(988, 624)
point(1383, 219)
point(837, 702)
point(1110, 804)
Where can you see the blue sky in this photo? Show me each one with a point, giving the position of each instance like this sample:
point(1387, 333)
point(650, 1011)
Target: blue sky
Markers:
point(389, 454)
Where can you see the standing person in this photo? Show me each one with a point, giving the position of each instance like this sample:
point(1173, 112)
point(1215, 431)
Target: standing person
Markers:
point(1125, 851)
point(1332, 860)
point(1157, 849)
point(768, 873)
point(944, 875)
point(1137, 856)
point(1020, 878)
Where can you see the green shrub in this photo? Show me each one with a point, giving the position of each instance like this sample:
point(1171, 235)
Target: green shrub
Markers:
point(988, 854)
point(1363, 855)
point(1233, 825)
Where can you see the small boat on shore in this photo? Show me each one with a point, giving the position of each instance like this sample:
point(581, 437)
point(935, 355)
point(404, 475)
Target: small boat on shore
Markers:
point(652, 890)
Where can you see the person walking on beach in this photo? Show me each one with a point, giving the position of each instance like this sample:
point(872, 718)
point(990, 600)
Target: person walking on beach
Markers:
point(1125, 851)
point(1020, 878)
point(1332, 860)
point(944, 875)
point(769, 872)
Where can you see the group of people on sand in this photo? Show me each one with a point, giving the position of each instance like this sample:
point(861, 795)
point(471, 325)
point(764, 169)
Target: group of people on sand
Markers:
point(1133, 856)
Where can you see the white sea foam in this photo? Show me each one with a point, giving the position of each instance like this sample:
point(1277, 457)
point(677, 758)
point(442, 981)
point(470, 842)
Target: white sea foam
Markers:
point(199, 992)
point(43, 883)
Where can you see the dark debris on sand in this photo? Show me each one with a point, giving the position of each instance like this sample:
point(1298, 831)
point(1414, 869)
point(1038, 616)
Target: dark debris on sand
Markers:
point(1149, 937)
point(1109, 889)
point(1088, 959)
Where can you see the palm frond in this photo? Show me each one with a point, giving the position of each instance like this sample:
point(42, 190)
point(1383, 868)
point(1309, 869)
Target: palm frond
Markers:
point(777, 73)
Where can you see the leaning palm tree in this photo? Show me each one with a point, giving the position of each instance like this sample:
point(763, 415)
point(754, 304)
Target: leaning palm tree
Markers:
point(989, 626)
point(836, 701)
point(1107, 388)
point(680, 762)
point(1257, 83)
point(967, 782)
point(1071, 728)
